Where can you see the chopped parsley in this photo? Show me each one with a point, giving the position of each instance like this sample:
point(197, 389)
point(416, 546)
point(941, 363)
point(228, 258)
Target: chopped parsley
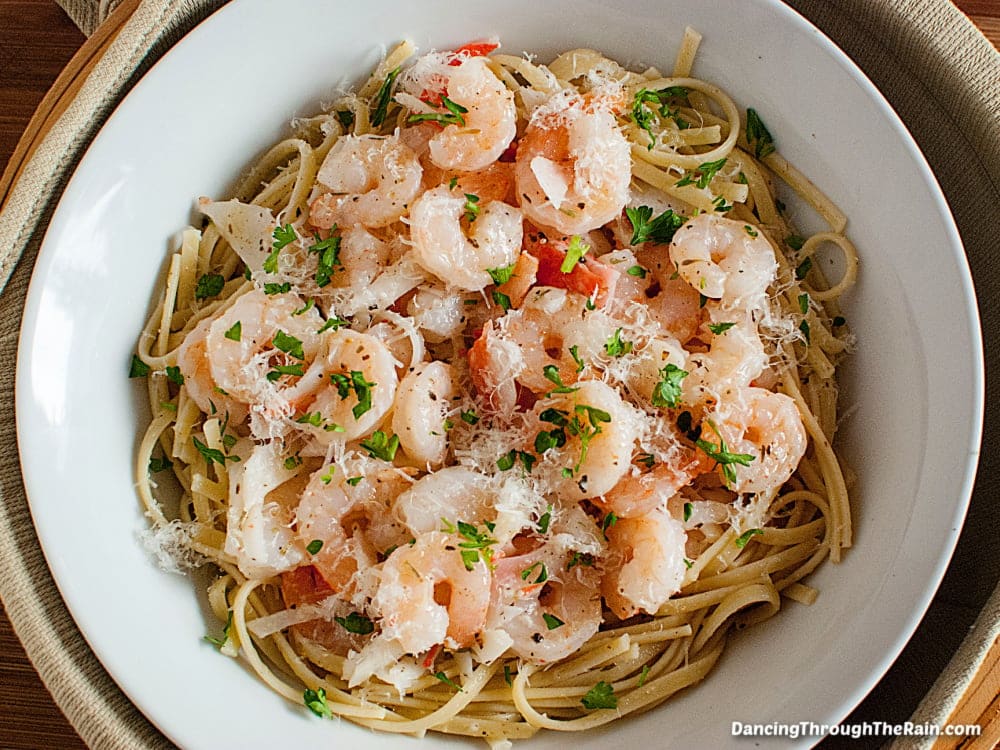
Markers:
point(282, 236)
point(609, 520)
point(802, 270)
point(659, 231)
point(722, 457)
point(329, 257)
point(545, 520)
point(719, 328)
point(291, 462)
point(501, 300)
point(470, 417)
point(575, 353)
point(273, 288)
point(501, 275)
point(379, 445)
point(758, 136)
point(581, 558)
point(749, 229)
point(551, 373)
point(602, 695)
point(279, 370)
point(795, 242)
point(157, 465)
point(615, 346)
point(687, 511)
point(574, 253)
point(642, 114)
point(804, 303)
point(804, 328)
point(551, 621)
point(213, 454)
point(354, 481)
point(235, 333)
point(643, 675)
point(314, 546)
point(543, 574)
point(315, 701)
point(346, 118)
point(138, 368)
point(745, 537)
point(477, 543)
point(448, 681)
point(333, 324)
point(209, 285)
point(667, 391)
point(706, 172)
point(220, 642)
point(355, 623)
point(288, 344)
point(471, 207)
point(383, 97)
point(174, 375)
point(638, 271)
point(452, 117)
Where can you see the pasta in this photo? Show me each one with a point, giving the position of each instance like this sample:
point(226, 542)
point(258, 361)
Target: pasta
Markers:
point(500, 394)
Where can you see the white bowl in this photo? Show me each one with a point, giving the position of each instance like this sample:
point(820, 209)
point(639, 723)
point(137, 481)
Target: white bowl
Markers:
point(913, 388)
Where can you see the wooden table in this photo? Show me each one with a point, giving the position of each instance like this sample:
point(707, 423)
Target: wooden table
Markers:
point(37, 40)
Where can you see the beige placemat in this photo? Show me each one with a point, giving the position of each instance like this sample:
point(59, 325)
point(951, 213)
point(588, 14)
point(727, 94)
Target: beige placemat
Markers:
point(939, 73)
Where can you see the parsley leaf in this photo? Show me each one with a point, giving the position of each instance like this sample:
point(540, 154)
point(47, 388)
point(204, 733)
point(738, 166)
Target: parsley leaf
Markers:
point(706, 171)
point(447, 681)
point(213, 454)
point(609, 520)
point(501, 275)
point(315, 701)
point(602, 695)
point(551, 621)
point(502, 300)
point(636, 271)
point(329, 257)
point(551, 373)
point(804, 328)
point(745, 537)
point(314, 546)
point(719, 328)
point(795, 242)
point(471, 206)
point(220, 642)
point(288, 344)
point(545, 520)
point(722, 457)
point(616, 346)
point(355, 623)
point(687, 511)
point(209, 285)
point(667, 392)
point(282, 235)
point(452, 117)
point(802, 270)
point(470, 417)
point(383, 97)
point(174, 375)
point(381, 446)
point(574, 254)
point(138, 368)
point(575, 352)
point(758, 137)
point(659, 231)
point(333, 324)
point(235, 333)
point(159, 464)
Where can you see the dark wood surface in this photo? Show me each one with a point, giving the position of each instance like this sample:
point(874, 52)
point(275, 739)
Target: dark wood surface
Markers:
point(37, 40)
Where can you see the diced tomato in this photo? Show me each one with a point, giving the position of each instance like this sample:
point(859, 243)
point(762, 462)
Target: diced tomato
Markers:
point(509, 156)
point(431, 656)
point(472, 49)
point(303, 585)
point(588, 276)
point(526, 398)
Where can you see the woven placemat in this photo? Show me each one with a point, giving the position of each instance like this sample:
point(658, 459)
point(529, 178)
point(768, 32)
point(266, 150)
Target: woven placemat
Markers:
point(939, 73)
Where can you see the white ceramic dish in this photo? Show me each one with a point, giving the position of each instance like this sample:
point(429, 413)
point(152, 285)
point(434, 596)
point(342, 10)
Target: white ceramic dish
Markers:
point(228, 90)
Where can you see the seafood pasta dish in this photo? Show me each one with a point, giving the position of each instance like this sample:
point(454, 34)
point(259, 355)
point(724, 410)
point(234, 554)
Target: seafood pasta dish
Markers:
point(500, 394)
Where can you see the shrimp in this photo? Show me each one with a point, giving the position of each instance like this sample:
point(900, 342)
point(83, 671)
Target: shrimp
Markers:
point(451, 494)
point(594, 434)
point(636, 495)
point(355, 388)
point(645, 563)
point(764, 427)
point(362, 258)
point(430, 593)
point(345, 507)
point(459, 256)
point(258, 528)
point(735, 358)
point(486, 129)
point(552, 328)
point(725, 260)
point(647, 370)
point(257, 352)
point(573, 168)
point(371, 180)
point(548, 611)
point(195, 366)
point(425, 398)
point(438, 313)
